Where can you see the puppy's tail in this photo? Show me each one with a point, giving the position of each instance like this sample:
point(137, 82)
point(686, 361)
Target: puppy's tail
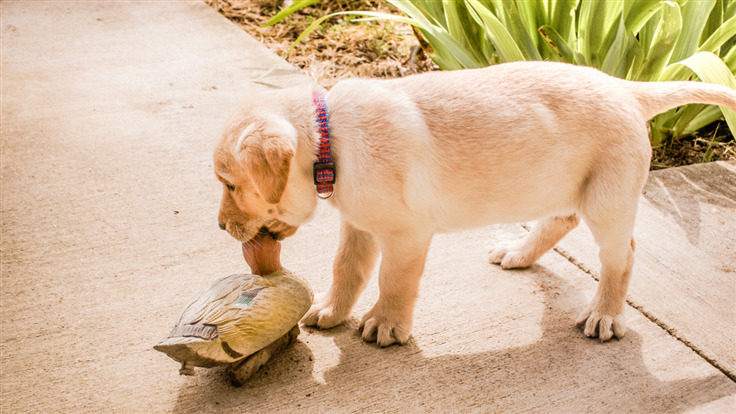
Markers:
point(658, 97)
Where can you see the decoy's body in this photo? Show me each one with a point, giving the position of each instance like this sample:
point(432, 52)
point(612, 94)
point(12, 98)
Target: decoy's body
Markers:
point(239, 316)
point(235, 317)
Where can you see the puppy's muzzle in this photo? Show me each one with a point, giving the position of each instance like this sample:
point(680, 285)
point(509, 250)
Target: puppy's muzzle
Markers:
point(222, 225)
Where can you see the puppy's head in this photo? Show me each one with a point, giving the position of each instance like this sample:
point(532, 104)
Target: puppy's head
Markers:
point(253, 158)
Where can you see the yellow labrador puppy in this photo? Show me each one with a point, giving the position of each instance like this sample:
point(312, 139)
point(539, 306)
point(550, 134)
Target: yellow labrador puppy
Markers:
point(447, 151)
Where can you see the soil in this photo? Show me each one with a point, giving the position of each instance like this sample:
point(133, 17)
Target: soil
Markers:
point(712, 143)
point(343, 47)
point(340, 48)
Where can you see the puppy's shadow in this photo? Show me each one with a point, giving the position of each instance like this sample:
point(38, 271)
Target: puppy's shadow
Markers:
point(562, 372)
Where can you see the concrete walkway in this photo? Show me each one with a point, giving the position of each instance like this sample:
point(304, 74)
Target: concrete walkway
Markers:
point(109, 112)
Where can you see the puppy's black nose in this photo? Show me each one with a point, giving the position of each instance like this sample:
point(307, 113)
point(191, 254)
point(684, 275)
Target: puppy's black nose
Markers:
point(222, 225)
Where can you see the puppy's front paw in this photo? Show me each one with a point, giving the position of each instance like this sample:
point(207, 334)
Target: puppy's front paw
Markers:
point(385, 327)
point(324, 316)
point(604, 326)
point(510, 256)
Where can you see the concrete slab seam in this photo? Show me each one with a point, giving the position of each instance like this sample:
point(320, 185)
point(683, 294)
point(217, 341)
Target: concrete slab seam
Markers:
point(671, 331)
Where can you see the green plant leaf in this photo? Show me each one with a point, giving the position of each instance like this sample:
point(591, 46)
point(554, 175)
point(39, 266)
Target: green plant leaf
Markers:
point(530, 13)
point(705, 117)
point(730, 60)
point(597, 27)
point(730, 10)
point(706, 65)
point(297, 5)
point(454, 23)
point(715, 20)
point(505, 45)
point(460, 27)
point(432, 9)
point(646, 32)
point(557, 44)
point(638, 12)
point(448, 53)
point(720, 36)
point(520, 31)
point(694, 17)
point(561, 16)
point(423, 17)
point(714, 42)
point(621, 54)
point(684, 118)
point(663, 42)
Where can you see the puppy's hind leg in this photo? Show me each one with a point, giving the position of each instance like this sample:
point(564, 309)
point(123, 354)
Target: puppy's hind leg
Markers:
point(544, 236)
point(609, 209)
point(608, 206)
point(603, 318)
point(356, 257)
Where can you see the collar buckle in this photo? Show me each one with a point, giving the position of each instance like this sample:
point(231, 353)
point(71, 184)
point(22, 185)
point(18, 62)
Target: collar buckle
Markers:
point(324, 173)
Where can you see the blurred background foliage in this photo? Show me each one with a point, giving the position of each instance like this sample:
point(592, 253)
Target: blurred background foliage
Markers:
point(640, 40)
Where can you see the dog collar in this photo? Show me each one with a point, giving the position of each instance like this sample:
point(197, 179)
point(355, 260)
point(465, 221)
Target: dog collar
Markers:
point(324, 168)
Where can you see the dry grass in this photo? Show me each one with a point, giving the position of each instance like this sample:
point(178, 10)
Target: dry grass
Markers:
point(340, 48)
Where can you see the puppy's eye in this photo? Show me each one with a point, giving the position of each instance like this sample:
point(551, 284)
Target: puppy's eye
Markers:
point(230, 186)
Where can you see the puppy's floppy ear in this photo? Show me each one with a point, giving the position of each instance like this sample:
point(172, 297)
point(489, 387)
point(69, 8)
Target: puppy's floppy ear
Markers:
point(267, 160)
